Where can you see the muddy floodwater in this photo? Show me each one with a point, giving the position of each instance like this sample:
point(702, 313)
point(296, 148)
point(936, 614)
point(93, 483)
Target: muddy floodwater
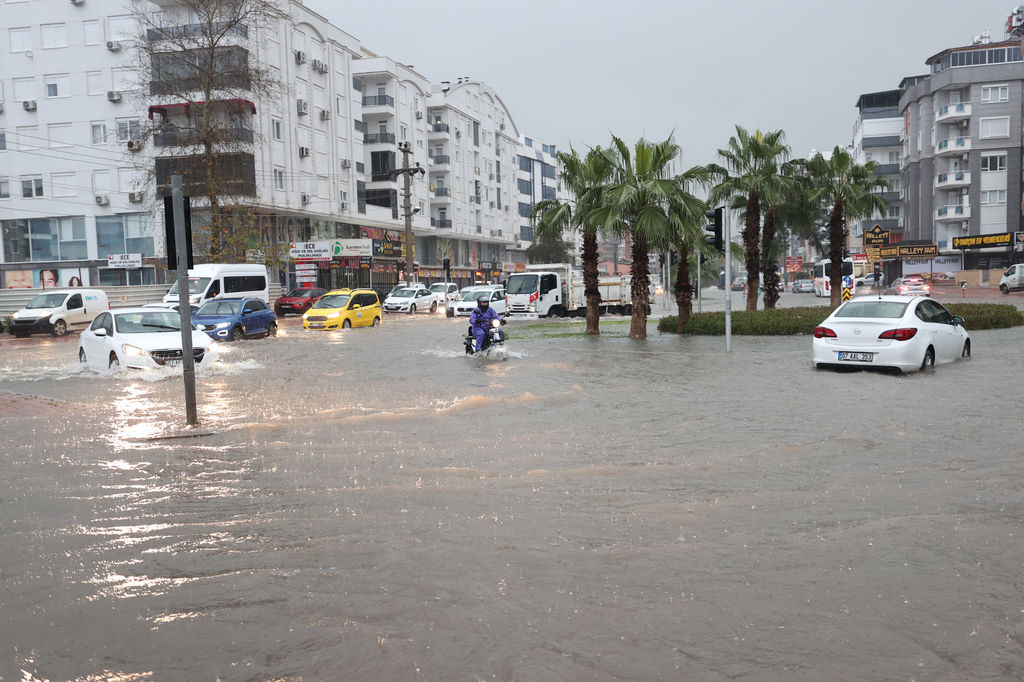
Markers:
point(372, 505)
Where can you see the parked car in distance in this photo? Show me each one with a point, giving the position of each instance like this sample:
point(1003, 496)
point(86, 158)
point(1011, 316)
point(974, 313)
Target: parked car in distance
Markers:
point(803, 286)
point(343, 309)
point(902, 332)
point(406, 285)
point(445, 292)
point(739, 284)
point(297, 301)
point(410, 301)
point(56, 312)
point(465, 302)
point(139, 338)
point(909, 285)
point(234, 319)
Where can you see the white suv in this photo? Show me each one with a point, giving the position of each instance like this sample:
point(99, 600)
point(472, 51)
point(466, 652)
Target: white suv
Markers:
point(465, 303)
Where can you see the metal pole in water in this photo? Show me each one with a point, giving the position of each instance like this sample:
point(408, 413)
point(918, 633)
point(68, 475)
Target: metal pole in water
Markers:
point(188, 364)
point(728, 281)
point(698, 283)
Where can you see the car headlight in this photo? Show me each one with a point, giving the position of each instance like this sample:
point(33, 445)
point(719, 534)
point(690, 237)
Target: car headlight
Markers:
point(334, 315)
point(222, 325)
point(129, 349)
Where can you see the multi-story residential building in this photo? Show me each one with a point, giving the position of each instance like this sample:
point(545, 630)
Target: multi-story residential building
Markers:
point(961, 159)
point(876, 137)
point(80, 146)
point(70, 194)
point(472, 142)
point(537, 180)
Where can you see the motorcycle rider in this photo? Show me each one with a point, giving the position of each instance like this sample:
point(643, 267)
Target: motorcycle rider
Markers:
point(480, 319)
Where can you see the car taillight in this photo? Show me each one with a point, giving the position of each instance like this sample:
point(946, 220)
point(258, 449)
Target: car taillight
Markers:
point(824, 332)
point(903, 288)
point(902, 334)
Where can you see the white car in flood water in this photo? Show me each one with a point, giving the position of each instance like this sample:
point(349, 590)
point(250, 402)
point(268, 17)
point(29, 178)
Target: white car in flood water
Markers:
point(140, 338)
point(902, 332)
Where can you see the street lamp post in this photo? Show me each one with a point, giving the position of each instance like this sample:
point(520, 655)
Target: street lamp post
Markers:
point(407, 211)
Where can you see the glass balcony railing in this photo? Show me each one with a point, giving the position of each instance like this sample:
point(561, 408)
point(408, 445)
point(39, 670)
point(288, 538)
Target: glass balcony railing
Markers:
point(378, 101)
point(439, 128)
point(378, 138)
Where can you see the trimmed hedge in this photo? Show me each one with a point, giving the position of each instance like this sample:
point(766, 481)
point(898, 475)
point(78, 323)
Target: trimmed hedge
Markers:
point(789, 321)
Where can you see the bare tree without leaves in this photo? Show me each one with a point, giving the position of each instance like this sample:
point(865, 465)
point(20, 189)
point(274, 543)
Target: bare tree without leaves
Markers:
point(201, 80)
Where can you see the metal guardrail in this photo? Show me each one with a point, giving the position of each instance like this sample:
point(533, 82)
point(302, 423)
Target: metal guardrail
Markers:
point(12, 300)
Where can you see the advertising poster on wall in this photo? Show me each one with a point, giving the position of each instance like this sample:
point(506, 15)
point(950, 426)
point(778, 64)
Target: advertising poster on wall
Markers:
point(940, 267)
point(46, 278)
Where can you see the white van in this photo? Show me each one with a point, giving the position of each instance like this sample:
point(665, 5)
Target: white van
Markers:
point(58, 311)
point(1012, 279)
point(210, 280)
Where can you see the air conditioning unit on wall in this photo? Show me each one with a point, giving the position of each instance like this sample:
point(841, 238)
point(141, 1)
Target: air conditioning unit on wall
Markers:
point(325, 115)
point(304, 198)
point(29, 105)
point(114, 45)
point(303, 152)
point(113, 96)
point(302, 106)
point(136, 197)
point(102, 200)
point(300, 57)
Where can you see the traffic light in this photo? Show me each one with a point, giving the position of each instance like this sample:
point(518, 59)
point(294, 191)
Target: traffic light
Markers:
point(714, 227)
point(447, 264)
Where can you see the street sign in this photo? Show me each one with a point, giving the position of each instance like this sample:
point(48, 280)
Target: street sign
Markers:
point(846, 294)
point(794, 263)
point(124, 261)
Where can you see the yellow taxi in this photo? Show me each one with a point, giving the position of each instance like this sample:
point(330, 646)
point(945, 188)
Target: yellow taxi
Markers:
point(343, 309)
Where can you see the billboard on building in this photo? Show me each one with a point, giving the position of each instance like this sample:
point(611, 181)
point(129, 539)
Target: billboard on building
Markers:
point(46, 278)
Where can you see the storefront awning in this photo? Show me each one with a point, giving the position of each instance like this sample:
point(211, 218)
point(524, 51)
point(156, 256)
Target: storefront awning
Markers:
point(165, 109)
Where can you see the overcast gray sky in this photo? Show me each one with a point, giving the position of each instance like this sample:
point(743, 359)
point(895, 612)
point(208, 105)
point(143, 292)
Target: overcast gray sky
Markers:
point(576, 71)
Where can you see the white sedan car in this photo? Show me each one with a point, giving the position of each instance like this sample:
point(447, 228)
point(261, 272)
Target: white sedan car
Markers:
point(140, 338)
point(466, 302)
point(902, 332)
point(409, 300)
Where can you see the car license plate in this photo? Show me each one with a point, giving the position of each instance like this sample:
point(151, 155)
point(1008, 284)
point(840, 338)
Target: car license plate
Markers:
point(316, 325)
point(173, 362)
point(856, 357)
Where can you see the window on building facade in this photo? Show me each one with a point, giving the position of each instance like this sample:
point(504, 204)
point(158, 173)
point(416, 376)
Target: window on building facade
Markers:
point(121, 28)
point(3, 140)
point(128, 129)
point(525, 163)
point(63, 185)
point(21, 39)
point(98, 132)
point(57, 85)
point(525, 187)
point(53, 35)
point(125, 233)
point(993, 162)
point(528, 142)
point(59, 134)
point(27, 137)
point(275, 129)
point(101, 182)
point(279, 178)
point(92, 32)
point(995, 127)
point(993, 197)
point(995, 93)
point(525, 233)
point(31, 186)
point(5, 188)
point(94, 84)
point(525, 209)
point(894, 157)
point(24, 89)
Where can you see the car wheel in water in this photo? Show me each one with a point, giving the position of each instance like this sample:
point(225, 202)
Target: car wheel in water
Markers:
point(1003, 288)
point(433, 307)
point(347, 324)
point(60, 328)
point(929, 359)
point(113, 363)
point(272, 329)
point(376, 322)
point(966, 352)
point(81, 355)
point(412, 309)
point(237, 334)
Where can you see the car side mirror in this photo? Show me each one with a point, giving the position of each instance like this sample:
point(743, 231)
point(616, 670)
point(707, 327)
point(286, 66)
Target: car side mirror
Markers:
point(958, 321)
point(100, 332)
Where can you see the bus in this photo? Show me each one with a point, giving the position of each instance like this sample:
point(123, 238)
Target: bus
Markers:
point(823, 270)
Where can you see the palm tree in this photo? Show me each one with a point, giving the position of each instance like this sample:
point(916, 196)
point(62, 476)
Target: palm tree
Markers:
point(849, 188)
point(583, 177)
point(687, 237)
point(639, 202)
point(750, 169)
point(786, 192)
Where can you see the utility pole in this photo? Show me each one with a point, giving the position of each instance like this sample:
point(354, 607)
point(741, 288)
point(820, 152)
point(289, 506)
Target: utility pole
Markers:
point(181, 241)
point(407, 210)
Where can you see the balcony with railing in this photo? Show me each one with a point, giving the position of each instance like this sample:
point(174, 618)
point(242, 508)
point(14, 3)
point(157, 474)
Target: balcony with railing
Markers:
point(444, 193)
point(952, 180)
point(379, 138)
point(185, 137)
point(438, 130)
point(379, 101)
point(954, 145)
point(217, 28)
point(440, 159)
point(235, 173)
point(441, 223)
point(958, 212)
point(957, 111)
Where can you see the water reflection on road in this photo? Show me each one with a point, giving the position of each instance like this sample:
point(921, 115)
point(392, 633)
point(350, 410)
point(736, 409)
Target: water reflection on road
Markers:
point(371, 504)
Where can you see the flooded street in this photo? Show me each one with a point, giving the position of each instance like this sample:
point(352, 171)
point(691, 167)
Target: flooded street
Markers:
point(373, 505)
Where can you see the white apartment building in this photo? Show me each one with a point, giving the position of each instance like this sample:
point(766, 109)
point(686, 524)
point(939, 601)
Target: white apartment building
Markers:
point(876, 137)
point(81, 134)
point(472, 143)
point(537, 179)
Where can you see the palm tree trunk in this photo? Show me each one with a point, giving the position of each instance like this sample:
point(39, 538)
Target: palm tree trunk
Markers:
point(771, 275)
point(640, 273)
point(752, 246)
point(590, 290)
point(835, 252)
point(683, 290)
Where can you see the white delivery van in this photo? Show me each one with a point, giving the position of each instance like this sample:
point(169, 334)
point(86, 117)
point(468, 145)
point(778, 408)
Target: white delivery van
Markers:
point(58, 311)
point(1012, 279)
point(210, 280)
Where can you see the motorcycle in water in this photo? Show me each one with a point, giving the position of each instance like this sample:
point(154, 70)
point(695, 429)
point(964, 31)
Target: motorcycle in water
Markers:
point(494, 338)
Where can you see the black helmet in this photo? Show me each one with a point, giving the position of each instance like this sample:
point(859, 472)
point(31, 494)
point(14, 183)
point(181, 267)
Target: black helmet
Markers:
point(483, 301)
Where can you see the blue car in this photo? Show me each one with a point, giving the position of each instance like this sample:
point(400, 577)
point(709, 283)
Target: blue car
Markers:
point(235, 318)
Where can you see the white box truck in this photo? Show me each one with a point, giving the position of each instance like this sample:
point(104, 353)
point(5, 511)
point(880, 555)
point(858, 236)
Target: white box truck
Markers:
point(556, 290)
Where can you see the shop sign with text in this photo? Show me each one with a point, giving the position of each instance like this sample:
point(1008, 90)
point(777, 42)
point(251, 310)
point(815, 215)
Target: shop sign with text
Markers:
point(981, 241)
